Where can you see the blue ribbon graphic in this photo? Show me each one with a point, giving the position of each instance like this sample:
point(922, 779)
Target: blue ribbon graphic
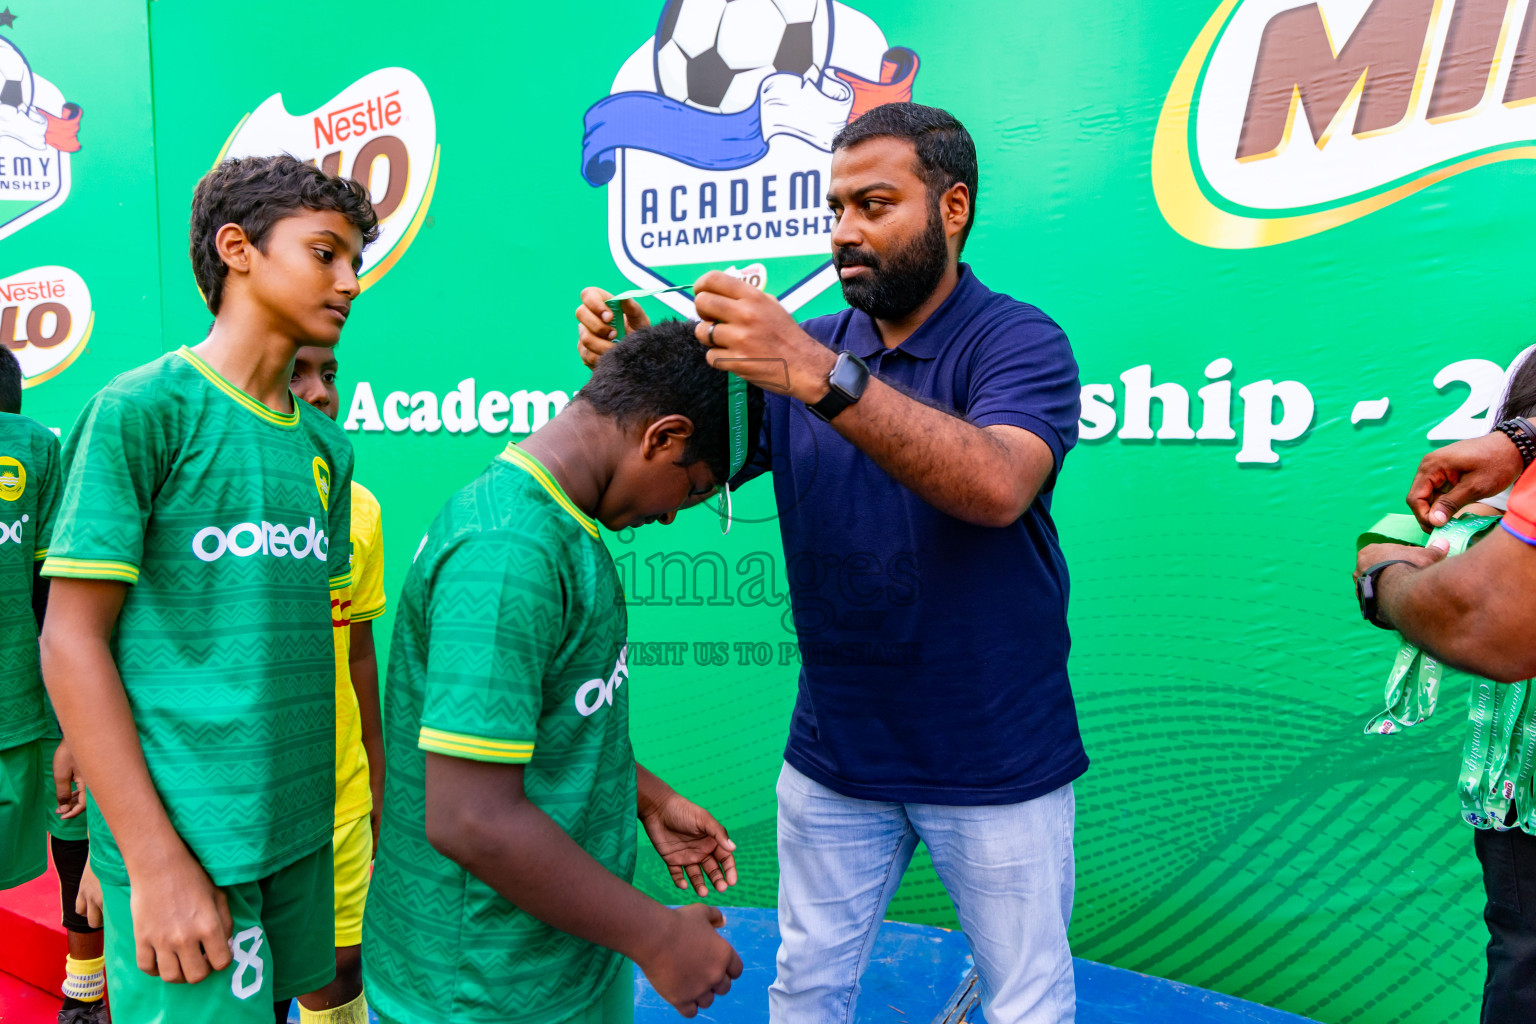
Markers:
point(660, 124)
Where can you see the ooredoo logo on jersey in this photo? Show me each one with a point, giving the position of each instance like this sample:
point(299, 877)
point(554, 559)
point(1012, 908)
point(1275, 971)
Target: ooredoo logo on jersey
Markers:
point(273, 540)
point(10, 533)
point(382, 131)
point(596, 694)
point(715, 140)
point(1287, 119)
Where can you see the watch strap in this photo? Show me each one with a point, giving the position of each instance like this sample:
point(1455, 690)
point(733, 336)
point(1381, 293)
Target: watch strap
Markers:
point(1365, 590)
point(832, 403)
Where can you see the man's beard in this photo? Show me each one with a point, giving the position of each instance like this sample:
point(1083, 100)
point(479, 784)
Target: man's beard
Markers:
point(894, 287)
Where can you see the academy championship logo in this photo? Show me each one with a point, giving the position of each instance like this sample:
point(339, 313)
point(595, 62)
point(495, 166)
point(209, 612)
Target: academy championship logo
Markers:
point(1287, 119)
point(715, 142)
point(45, 320)
point(38, 131)
point(382, 131)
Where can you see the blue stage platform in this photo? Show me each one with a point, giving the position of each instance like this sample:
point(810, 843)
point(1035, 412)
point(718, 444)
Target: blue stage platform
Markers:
point(914, 969)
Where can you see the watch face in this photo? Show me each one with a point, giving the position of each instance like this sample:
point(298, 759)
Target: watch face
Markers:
point(848, 376)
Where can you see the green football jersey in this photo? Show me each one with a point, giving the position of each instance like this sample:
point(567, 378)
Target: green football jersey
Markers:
point(29, 499)
point(231, 523)
point(508, 647)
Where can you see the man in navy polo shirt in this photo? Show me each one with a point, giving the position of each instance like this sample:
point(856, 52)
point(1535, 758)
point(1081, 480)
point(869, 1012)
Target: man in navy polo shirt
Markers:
point(914, 443)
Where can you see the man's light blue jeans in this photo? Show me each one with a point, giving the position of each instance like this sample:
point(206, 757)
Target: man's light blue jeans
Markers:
point(1009, 870)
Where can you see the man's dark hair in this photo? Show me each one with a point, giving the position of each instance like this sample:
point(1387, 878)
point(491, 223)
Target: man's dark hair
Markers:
point(660, 370)
point(10, 381)
point(256, 192)
point(946, 153)
point(1521, 400)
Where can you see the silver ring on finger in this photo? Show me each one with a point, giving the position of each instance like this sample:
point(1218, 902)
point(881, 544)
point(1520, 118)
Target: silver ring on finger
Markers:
point(711, 341)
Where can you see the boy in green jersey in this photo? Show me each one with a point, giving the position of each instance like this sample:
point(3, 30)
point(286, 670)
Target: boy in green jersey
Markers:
point(29, 497)
point(187, 646)
point(38, 795)
point(501, 890)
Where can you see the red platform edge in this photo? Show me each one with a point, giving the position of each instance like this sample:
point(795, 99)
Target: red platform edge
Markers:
point(32, 939)
point(20, 1003)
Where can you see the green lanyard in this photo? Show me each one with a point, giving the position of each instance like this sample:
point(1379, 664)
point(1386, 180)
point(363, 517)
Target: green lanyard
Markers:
point(1520, 788)
point(617, 304)
point(1499, 754)
point(1413, 685)
point(735, 397)
point(1495, 761)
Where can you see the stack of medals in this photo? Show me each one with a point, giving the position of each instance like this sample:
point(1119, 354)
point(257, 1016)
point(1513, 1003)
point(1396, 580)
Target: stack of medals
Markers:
point(1497, 759)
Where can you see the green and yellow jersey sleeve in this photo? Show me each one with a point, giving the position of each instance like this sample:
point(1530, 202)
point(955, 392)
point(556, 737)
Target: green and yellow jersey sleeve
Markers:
point(495, 624)
point(115, 459)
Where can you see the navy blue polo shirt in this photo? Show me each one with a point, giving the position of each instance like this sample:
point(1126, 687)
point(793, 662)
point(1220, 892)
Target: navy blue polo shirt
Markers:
point(933, 652)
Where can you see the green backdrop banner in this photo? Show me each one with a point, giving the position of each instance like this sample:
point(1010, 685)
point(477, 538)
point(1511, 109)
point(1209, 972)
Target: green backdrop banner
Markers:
point(1284, 240)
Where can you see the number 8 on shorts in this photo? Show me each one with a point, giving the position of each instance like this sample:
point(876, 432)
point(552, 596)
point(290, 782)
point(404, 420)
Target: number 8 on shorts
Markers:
point(245, 980)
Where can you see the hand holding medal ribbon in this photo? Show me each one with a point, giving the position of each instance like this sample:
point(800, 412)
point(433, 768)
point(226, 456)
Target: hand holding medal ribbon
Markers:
point(1499, 754)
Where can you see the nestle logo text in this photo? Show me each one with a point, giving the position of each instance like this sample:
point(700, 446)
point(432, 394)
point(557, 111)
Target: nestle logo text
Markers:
point(357, 119)
point(24, 291)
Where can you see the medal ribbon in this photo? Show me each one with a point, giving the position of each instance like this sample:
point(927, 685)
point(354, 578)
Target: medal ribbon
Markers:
point(1499, 754)
point(1413, 685)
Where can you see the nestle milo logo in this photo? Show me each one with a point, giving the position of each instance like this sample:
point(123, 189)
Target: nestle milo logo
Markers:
point(380, 130)
point(1287, 119)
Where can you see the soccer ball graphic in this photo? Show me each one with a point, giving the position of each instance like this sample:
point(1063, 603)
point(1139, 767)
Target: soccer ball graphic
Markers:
point(713, 54)
point(15, 78)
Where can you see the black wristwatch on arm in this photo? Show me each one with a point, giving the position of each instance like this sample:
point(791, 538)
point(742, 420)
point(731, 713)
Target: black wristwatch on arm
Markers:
point(846, 385)
point(1365, 591)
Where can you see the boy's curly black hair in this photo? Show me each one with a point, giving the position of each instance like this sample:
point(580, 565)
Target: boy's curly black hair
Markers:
point(256, 192)
point(10, 381)
point(660, 370)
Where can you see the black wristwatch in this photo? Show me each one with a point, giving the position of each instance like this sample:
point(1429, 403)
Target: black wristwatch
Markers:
point(846, 385)
point(1365, 590)
point(1519, 430)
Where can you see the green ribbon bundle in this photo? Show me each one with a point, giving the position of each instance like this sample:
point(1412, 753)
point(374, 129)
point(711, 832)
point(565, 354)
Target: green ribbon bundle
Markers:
point(735, 397)
point(1499, 755)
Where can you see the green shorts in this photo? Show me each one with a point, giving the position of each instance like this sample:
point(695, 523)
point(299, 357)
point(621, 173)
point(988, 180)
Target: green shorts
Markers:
point(284, 946)
point(617, 1005)
point(26, 798)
